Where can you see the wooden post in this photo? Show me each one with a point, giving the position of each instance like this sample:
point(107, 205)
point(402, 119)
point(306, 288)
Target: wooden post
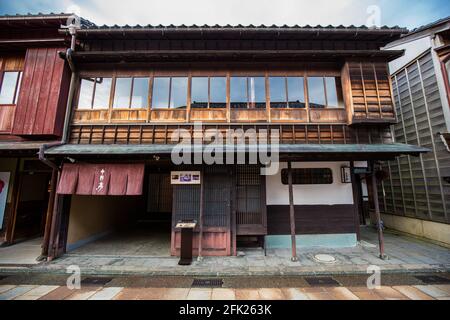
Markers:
point(356, 196)
point(48, 220)
point(200, 236)
point(292, 214)
point(17, 189)
point(378, 214)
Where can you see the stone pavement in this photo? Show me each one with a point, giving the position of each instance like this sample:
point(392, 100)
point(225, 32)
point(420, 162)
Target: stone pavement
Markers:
point(405, 254)
point(45, 292)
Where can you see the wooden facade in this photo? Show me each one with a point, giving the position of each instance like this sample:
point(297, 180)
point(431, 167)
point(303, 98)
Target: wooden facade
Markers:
point(42, 100)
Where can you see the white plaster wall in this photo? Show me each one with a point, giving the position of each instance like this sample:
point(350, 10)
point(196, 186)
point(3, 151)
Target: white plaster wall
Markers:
point(336, 193)
point(412, 51)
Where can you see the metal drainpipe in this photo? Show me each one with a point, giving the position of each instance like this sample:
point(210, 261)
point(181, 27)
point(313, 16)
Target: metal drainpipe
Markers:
point(48, 251)
point(68, 57)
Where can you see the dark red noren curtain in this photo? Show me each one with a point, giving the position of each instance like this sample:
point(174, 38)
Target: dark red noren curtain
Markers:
point(101, 179)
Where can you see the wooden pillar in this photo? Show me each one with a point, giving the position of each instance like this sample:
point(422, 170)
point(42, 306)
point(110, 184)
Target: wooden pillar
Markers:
point(55, 226)
point(200, 236)
point(292, 214)
point(378, 214)
point(48, 220)
point(356, 198)
point(17, 188)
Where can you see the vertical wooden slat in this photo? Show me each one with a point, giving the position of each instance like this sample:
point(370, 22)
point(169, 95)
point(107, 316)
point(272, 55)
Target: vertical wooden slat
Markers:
point(292, 214)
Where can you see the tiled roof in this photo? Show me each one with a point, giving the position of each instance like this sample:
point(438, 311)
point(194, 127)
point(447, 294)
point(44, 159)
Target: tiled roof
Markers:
point(44, 16)
point(251, 26)
point(430, 25)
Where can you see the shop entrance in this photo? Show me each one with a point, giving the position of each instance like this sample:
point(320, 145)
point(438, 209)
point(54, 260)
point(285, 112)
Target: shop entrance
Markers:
point(127, 226)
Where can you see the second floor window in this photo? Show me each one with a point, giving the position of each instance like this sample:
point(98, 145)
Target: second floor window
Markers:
point(209, 92)
point(131, 93)
point(94, 93)
point(287, 92)
point(248, 92)
point(9, 87)
point(170, 93)
point(325, 92)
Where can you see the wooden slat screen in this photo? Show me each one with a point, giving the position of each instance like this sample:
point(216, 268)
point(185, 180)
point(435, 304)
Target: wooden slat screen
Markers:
point(371, 92)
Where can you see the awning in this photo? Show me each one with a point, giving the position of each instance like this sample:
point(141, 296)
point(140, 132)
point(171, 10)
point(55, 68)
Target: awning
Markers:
point(394, 149)
point(101, 179)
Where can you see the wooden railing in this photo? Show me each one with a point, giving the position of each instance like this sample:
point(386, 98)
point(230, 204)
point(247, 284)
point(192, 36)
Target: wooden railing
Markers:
point(222, 115)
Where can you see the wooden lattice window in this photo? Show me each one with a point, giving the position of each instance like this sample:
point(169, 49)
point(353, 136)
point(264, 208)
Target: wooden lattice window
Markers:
point(308, 176)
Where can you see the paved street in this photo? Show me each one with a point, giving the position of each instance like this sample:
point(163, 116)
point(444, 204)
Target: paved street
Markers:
point(407, 286)
point(29, 292)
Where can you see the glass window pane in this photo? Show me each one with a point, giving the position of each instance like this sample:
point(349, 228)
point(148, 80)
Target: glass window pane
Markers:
point(238, 92)
point(316, 92)
point(218, 92)
point(160, 97)
point(296, 92)
point(122, 93)
point(257, 92)
point(86, 91)
point(278, 92)
point(140, 93)
point(8, 87)
point(102, 93)
point(333, 88)
point(178, 99)
point(199, 94)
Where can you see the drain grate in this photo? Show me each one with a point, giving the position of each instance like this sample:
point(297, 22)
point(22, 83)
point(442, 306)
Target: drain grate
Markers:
point(433, 279)
point(96, 281)
point(322, 282)
point(207, 283)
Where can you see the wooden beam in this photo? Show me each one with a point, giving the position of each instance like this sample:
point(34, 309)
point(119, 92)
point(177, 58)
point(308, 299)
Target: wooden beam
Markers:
point(200, 236)
point(48, 220)
point(9, 234)
point(378, 214)
point(292, 214)
point(356, 200)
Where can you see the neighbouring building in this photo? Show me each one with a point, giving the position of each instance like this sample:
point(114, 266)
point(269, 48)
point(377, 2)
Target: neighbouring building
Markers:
point(415, 195)
point(34, 83)
point(323, 95)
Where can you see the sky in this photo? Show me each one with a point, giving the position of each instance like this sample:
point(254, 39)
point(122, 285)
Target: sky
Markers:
point(404, 13)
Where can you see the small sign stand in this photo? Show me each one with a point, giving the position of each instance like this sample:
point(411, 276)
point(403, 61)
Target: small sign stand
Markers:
point(187, 237)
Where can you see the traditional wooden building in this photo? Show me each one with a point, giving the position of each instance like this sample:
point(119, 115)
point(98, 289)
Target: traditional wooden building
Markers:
point(416, 192)
point(34, 83)
point(325, 91)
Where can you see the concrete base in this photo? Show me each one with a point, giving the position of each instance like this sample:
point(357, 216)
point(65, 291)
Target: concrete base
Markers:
point(437, 232)
point(313, 241)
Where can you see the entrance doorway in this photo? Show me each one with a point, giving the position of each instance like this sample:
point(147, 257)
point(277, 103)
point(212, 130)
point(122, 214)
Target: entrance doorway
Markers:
point(251, 215)
point(124, 226)
point(31, 203)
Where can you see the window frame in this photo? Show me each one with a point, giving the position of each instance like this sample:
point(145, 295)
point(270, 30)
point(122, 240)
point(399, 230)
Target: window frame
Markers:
point(94, 91)
point(285, 175)
point(188, 91)
point(247, 76)
point(339, 95)
point(17, 86)
point(209, 102)
point(286, 90)
point(130, 99)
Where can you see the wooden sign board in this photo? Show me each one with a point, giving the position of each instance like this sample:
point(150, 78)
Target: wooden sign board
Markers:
point(185, 178)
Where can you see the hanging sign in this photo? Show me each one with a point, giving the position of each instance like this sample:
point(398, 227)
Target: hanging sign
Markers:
point(185, 177)
point(4, 184)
